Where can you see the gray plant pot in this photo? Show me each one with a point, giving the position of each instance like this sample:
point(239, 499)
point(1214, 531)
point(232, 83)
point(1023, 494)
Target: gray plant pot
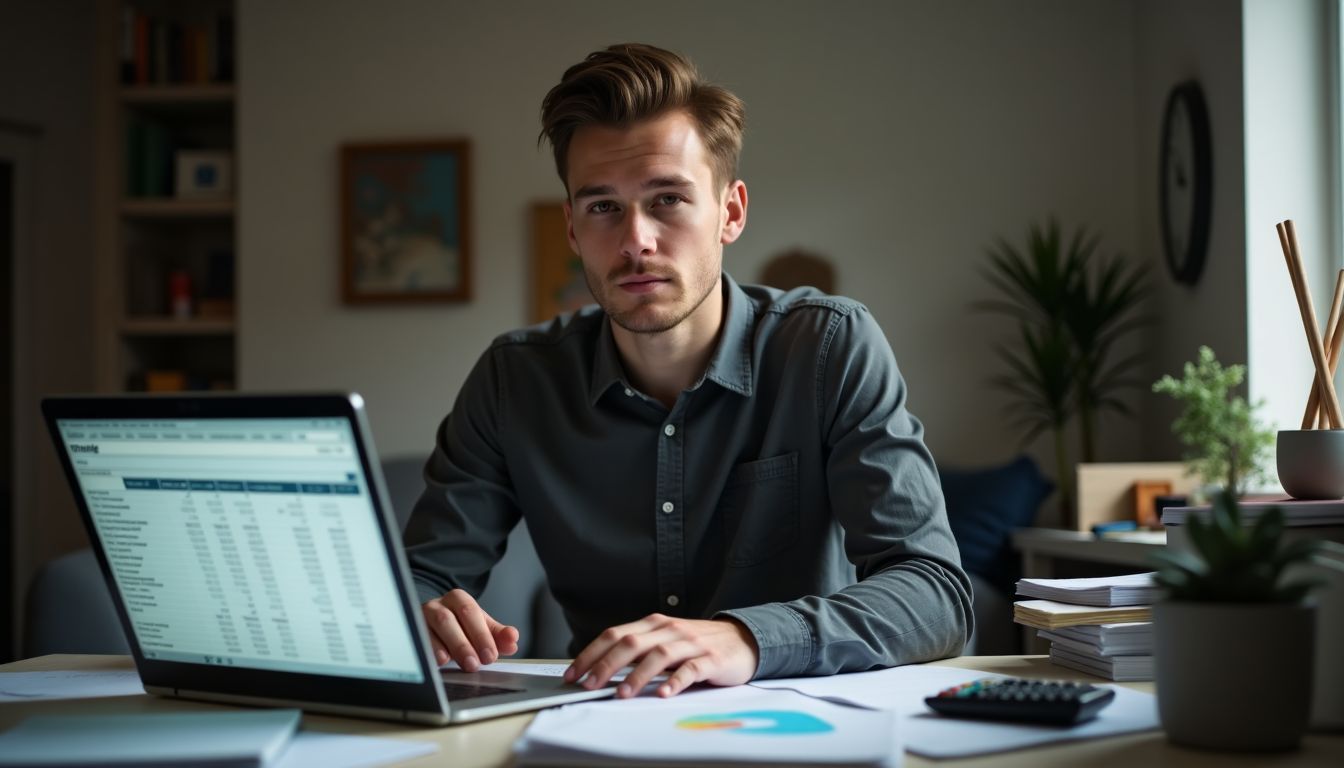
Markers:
point(1234, 675)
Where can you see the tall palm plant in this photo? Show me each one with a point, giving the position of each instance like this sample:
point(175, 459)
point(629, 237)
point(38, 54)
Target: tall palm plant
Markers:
point(1098, 315)
point(1069, 326)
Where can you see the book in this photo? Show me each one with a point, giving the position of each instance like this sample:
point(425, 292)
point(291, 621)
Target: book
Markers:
point(1132, 589)
point(1048, 614)
point(1110, 639)
point(224, 739)
point(1122, 669)
point(1295, 513)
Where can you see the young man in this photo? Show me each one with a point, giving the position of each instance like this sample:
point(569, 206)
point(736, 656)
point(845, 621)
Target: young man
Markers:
point(722, 481)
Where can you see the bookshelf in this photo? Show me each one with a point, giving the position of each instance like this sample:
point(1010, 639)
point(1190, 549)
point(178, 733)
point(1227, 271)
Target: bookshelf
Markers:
point(165, 181)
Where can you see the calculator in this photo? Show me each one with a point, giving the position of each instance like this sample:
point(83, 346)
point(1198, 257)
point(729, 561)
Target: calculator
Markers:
point(1050, 702)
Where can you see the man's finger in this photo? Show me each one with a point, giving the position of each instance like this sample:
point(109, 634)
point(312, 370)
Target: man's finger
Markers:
point(506, 638)
point(658, 659)
point(687, 674)
point(443, 623)
point(603, 644)
point(630, 650)
point(440, 653)
point(475, 628)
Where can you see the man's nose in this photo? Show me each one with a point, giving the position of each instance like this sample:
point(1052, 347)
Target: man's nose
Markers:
point(638, 238)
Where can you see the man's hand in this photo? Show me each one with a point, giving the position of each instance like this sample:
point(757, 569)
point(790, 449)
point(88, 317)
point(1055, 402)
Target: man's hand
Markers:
point(461, 631)
point(719, 651)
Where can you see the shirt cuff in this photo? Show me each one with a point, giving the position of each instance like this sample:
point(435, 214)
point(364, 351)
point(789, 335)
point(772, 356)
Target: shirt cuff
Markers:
point(783, 640)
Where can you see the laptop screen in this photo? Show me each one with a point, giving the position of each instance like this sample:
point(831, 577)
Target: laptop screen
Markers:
point(245, 543)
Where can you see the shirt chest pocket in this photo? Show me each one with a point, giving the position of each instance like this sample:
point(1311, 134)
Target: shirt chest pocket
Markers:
point(759, 509)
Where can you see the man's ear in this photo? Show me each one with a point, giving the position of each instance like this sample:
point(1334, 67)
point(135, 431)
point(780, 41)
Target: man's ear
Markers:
point(569, 228)
point(735, 211)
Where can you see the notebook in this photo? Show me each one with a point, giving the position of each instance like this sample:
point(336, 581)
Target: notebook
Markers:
point(215, 739)
point(253, 557)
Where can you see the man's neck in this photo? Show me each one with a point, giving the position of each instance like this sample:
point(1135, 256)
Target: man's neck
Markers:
point(663, 365)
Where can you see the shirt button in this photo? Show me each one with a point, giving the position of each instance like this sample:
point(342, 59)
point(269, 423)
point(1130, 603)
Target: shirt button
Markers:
point(667, 507)
point(669, 430)
point(672, 600)
point(629, 392)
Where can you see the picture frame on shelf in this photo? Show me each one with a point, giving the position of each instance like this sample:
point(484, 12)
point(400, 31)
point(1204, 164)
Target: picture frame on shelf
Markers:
point(405, 222)
point(204, 175)
point(558, 283)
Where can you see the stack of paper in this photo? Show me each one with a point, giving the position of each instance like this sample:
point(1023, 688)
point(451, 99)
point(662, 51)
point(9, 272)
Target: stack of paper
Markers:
point(1295, 513)
point(1098, 626)
point(1119, 668)
point(1135, 589)
point(1122, 652)
point(1127, 639)
point(1048, 614)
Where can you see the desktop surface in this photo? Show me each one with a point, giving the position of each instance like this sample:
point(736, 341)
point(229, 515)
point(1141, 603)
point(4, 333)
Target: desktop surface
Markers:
point(487, 743)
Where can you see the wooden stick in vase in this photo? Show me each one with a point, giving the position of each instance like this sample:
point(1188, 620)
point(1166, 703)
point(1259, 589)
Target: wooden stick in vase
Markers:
point(1335, 344)
point(1332, 342)
point(1288, 239)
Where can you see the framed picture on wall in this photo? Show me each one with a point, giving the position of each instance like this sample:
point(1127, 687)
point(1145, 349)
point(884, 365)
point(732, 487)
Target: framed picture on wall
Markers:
point(405, 222)
point(558, 284)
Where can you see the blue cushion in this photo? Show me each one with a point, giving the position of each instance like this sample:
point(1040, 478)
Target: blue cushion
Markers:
point(984, 507)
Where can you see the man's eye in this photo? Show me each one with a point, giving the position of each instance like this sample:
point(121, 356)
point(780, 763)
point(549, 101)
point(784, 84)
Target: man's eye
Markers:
point(669, 199)
point(601, 206)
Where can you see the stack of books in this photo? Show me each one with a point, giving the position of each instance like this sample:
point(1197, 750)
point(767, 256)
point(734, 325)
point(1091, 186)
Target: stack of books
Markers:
point(1099, 626)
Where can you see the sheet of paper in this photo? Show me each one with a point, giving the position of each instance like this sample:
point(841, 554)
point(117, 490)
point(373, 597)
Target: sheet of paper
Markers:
point(925, 733)
point(719, 726)
point(335, 750)
point(69, 684)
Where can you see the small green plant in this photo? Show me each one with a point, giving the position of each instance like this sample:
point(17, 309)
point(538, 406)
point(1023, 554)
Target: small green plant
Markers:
point(1233, 563)
point(1225, 443)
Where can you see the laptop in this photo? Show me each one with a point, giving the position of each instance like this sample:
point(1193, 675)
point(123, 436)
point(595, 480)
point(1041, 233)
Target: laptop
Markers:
point(253, 557)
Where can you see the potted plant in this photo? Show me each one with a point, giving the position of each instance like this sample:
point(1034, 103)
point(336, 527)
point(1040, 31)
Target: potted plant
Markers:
point(1233, 638)
point(1224, 442)
point(1072, 308)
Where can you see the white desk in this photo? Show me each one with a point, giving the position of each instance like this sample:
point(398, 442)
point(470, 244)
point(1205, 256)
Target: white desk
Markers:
point(486, 744)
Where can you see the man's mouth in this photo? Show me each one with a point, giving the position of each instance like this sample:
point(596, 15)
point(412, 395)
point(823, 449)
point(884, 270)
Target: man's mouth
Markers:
point(642, 283)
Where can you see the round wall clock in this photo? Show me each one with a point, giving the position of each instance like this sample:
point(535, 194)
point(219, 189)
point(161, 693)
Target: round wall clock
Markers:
point(1186, 182)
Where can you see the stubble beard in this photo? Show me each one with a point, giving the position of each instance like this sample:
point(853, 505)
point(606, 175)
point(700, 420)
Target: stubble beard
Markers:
point(643, 317)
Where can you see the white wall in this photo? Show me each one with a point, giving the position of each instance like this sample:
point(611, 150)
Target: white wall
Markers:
point(1290, 174)
point(899, 138)
point(1180, 40)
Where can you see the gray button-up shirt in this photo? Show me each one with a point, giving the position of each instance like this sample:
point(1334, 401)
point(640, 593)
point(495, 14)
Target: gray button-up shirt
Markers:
point(789, 488)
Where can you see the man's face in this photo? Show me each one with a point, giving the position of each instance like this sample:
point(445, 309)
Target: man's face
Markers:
point(648, 221)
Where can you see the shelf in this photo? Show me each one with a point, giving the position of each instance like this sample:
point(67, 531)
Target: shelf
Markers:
point(173, 208)
point(148, 234)
point(167, 326)
point(163, 95)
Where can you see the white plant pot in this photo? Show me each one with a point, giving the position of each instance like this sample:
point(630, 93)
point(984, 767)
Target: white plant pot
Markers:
point(1234, 675)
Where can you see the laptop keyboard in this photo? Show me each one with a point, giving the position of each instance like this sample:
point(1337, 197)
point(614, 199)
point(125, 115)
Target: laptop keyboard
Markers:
point(459, 691)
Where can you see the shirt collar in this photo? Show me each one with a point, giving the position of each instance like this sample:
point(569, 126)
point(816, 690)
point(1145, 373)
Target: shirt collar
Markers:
point(729, 367)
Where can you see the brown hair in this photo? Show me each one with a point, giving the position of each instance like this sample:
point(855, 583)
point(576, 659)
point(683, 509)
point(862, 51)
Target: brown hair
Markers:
point(630, 82)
